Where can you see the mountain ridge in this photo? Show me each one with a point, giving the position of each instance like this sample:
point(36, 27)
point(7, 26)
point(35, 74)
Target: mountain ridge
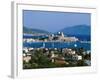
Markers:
point(33, 30)
point(77, 30)
point(74, 30)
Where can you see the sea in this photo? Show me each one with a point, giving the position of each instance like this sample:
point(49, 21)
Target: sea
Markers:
point(80, 37)
point(86, 46)
point(84, 42)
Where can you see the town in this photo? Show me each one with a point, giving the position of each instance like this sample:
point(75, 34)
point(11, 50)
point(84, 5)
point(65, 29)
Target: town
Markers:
point(43, 57)
point(53, 37)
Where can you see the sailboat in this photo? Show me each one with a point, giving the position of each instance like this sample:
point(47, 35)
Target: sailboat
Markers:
point(75, 45)
point(43, 45)
point(52, 44)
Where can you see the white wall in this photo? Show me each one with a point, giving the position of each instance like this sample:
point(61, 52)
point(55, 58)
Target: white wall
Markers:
point(5, 39)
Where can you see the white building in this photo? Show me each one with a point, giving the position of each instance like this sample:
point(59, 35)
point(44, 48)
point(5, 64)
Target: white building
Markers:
point(63, 38)
point(79, 57)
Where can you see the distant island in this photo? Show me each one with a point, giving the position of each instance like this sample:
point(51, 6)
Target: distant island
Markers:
point(34, 31)
point(73, 30)
point(77, 30)
point(67, 34)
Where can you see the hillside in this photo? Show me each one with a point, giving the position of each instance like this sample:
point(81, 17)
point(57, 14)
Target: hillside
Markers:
point(33, 31)
point(77, 30)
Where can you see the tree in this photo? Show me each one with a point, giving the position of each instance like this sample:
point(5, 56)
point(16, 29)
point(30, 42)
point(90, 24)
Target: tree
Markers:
point(81, 63)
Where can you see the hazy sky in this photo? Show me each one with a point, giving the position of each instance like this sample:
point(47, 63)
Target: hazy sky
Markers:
point(54, 21)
